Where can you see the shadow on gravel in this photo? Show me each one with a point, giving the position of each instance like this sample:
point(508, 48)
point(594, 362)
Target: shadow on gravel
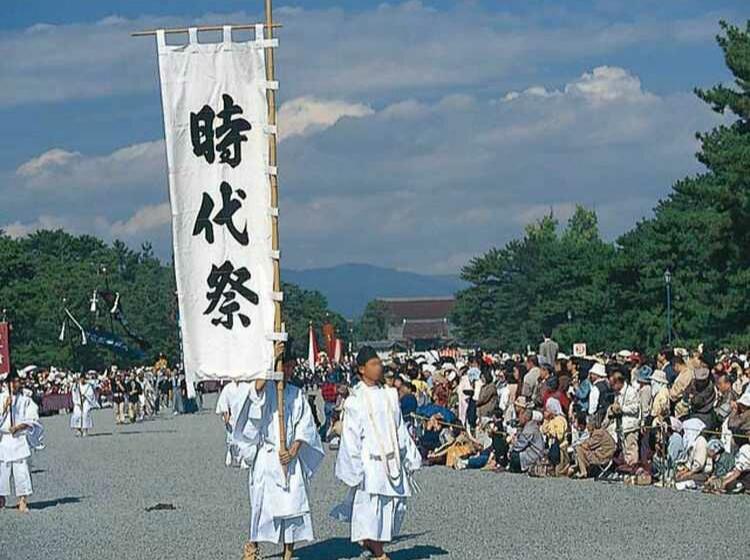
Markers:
point(344, 548)
point(419, 552)
point(100, 434)
point(133, 432)
point(330, 548)
point(53, 503)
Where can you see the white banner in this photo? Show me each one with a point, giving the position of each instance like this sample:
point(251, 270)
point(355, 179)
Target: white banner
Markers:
point(215, 120)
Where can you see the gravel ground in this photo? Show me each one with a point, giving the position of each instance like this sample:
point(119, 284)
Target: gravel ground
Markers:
point(91, 494)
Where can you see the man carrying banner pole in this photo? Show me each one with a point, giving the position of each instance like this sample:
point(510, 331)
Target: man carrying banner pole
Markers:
point(219, 104)
point(279, 479)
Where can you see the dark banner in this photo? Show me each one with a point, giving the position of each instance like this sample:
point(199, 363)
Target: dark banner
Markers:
point(4, 348)
point(114, 343)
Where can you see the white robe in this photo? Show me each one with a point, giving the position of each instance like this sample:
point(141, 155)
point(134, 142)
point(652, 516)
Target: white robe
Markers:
point(15, 449)
point(375, 460)
point(84, 402)
point(280, 509)
point(230, 401)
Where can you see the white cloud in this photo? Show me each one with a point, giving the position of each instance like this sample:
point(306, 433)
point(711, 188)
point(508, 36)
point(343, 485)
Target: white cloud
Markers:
point(424, 162)
point(306, 115)
point(602, 85)
point(18, 229)
point(403, 47)
point(48, 161)
point(143, 221)
point(140, 164)
point(143, 165)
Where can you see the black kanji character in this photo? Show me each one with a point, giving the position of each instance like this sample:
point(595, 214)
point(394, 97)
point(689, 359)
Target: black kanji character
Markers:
point(225, 283)
point(202, 133)
point(230, 146)
point(224, 217)
point(203, 222)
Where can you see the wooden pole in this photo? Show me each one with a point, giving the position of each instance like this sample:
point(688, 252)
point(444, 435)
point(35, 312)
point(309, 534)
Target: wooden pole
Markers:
point(272, 161)
point(10, 368)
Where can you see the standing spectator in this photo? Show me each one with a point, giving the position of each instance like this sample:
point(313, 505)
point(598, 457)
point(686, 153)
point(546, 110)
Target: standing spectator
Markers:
point(625, 417)
point(682, 381)
point(330, 396)
point(119, 394)
point(548, 350)
point(487, 401)
point(134, 398)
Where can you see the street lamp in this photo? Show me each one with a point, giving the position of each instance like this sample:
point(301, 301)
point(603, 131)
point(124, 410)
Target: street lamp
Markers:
point(668, 284)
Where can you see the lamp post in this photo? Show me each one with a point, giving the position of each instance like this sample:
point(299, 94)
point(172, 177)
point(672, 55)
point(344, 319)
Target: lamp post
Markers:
point(668, 284)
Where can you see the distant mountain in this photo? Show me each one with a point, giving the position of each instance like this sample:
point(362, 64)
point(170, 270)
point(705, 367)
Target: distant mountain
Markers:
point(349, 287)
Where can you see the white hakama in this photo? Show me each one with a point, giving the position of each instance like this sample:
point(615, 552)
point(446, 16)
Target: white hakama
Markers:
point(84, 402)
point(280, 506)
point(376, 458)
point(15, 449)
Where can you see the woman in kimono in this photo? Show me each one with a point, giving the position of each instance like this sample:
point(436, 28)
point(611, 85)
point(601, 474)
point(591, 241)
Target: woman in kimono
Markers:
point(376, 459)
point(280, 509)
point(84, 402)
point(20, 432)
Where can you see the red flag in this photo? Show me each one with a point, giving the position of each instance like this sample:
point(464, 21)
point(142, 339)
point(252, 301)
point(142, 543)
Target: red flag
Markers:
point(329, 333)
point(338, 351)
point(4, 348)
point(312, 349)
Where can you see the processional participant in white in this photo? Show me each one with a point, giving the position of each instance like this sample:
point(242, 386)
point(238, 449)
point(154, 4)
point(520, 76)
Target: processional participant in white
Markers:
point(229, 405)
point(20, 432)
point(84, 402)
point(280, 508)
point(375, 460)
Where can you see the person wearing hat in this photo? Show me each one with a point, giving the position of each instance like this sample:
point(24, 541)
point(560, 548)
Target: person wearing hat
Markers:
point(643, 382)
point(700, 397)
point(722, 464)
point(20, 432)
point(375, 460)
point(598, 397)
point(279, 478)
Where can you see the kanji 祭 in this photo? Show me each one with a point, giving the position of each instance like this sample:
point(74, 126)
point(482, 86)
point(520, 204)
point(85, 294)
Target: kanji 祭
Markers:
point(226, 283)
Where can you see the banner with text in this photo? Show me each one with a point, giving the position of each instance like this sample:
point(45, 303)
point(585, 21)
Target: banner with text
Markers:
point(216, 126)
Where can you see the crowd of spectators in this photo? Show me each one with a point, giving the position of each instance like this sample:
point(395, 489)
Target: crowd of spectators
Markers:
point(678, 419)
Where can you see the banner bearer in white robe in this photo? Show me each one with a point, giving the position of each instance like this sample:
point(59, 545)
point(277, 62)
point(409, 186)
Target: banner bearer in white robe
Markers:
point(229, 405)
point(20, 431)
point(375, 460)
point(84, 402)
point(280, 508)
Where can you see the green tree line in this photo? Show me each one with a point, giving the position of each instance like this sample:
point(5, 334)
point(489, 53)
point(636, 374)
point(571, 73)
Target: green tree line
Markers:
point(567, 280)
point(45, 272)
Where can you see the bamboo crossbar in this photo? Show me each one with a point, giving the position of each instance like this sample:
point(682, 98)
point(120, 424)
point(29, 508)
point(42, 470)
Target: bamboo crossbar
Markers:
point(201, 28)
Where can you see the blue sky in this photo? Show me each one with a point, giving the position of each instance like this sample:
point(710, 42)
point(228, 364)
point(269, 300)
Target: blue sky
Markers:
point(416, 134)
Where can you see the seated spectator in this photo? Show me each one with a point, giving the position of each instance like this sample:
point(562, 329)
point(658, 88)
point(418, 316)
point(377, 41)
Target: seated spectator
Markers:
point(691, 467)
point(722, 464)
point(596, 451)
point(555, 429)
point(527, 446)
